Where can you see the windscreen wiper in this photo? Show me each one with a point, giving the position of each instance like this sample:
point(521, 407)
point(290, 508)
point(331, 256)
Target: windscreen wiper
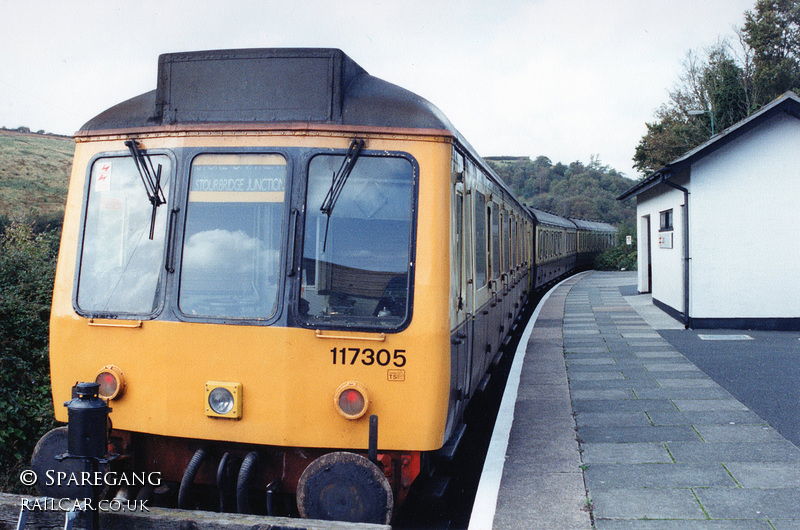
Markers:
point(338, 182)
point(151, 178)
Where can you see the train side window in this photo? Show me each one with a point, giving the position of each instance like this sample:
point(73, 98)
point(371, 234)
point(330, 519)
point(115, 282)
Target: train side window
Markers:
point(508, 240)
point(356, 266)
point(503, 243)
point(458, 243)
point(489, 242)
point(480, 240)
point(539, 245)
point(120, 265)
point(494, 267)
point(232, 238)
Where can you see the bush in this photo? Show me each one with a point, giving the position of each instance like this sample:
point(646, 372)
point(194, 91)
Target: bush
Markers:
point(619, 258)
point(27, 270)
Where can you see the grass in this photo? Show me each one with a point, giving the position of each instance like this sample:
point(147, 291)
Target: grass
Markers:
point(34, 174)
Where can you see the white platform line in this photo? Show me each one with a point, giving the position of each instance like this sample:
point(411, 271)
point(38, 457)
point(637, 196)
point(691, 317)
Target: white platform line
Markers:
point(485, 505)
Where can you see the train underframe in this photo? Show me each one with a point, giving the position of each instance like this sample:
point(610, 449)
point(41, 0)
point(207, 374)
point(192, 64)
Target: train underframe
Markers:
point(243, 478)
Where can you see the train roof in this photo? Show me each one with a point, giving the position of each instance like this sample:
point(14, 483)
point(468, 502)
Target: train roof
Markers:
point(594, 226)
point(295, 88)
point(552, 219)
point(270, 86)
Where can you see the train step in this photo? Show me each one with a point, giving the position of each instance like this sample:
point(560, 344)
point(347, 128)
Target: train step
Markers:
point(448, 451)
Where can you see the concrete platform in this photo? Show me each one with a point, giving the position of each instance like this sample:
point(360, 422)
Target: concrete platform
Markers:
point(606, 423)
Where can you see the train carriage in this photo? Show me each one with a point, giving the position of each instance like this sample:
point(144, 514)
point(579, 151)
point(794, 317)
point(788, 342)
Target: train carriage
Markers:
point(593, 238)
point(276, 265)
point(556, 242)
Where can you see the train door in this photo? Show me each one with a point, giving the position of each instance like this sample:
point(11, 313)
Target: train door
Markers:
point(480, 287)
point(506, 274)
point(461, 338)
point(495, 274)
point(468, 277)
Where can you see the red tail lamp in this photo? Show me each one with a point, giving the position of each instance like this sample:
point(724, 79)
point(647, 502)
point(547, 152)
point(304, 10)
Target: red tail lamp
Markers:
point(351, 400)
point(111, 381)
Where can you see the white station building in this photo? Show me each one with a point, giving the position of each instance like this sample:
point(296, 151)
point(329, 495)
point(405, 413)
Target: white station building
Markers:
point(716, 228)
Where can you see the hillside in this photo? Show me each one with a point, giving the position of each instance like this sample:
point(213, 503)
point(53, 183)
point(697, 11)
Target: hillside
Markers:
point(577, 190)
point(34, 174)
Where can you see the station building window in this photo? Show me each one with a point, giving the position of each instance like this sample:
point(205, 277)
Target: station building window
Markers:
point(666, 220)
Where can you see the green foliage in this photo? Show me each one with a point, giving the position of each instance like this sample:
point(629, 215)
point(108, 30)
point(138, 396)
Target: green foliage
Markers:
point(666, 140)
point(772, 31)
point(27, 269)
point(716, 87)
point(622, 257)
point(583, 191)
point(725, 84)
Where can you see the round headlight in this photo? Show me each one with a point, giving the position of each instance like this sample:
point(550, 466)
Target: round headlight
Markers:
point(220, 400)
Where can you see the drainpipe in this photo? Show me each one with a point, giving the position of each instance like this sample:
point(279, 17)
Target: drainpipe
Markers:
point(664, 180)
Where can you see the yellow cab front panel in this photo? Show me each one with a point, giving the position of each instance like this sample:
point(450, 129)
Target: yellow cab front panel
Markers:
point(290, 358)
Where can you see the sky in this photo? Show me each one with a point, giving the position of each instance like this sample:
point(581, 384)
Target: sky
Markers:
point(566, 79)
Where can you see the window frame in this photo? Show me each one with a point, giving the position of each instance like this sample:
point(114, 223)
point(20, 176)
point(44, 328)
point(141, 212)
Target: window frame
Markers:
point(667, 220)
point(301, 204)
point(179, 230)
point(481, 244)
point(172, 196)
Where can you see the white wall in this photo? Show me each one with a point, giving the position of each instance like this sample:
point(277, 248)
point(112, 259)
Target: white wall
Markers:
point(667, 284)
point(744, 215)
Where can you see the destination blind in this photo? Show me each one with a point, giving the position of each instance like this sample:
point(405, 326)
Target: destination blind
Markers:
point(238, 178)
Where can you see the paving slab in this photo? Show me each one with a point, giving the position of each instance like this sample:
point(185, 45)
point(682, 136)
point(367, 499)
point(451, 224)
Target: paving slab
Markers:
point(626, 453)
point(712, 417)
point(734, 452)
point(643, 503)
point(618, 434)
point(750, 503)
point(613, 419)
point(765, 475)
point(657, 475)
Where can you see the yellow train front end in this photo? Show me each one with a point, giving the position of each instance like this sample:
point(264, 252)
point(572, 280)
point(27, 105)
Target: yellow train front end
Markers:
point(259, 302)
point(289, 374)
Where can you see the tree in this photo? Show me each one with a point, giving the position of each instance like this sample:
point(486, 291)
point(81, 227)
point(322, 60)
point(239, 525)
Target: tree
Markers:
point(666, 139)
point(772, 32)
point(716, 86)
point(725, 87)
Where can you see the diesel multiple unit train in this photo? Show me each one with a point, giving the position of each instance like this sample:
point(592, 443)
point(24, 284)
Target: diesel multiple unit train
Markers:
point(289, 278)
